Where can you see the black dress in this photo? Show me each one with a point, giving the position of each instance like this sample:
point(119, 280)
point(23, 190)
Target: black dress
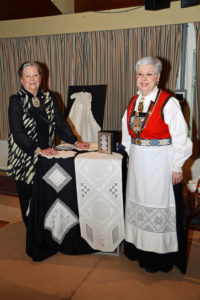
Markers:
point(27, 145)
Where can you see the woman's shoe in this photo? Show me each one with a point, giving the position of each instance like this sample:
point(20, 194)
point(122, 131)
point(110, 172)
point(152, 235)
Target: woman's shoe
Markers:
point(151, 270)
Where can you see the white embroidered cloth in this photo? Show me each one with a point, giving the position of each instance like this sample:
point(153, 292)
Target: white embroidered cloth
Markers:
point(100, 202)
point(82, 118)
point(59, 220)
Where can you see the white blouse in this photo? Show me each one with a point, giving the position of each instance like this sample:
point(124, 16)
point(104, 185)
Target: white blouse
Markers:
point(173, 117)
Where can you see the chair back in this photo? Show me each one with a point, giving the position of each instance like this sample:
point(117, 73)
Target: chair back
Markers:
point(193, 218)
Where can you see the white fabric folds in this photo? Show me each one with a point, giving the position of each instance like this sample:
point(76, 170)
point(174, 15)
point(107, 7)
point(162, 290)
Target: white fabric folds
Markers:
point(82, 118)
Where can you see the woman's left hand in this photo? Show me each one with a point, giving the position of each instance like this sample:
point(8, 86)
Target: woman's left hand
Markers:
point(177, 177)
point(82, 145)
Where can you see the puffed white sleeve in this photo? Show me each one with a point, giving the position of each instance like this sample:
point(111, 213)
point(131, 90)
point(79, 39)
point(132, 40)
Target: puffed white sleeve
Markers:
point(181, 143)
point(126, 138)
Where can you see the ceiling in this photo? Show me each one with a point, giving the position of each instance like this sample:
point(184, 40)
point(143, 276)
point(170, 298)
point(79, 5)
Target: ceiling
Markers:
point(23, 9)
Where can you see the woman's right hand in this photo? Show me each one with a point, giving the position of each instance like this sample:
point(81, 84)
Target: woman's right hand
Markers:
point(47, 151)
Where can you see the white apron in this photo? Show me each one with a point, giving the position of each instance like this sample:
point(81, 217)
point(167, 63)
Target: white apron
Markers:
point(150, 222)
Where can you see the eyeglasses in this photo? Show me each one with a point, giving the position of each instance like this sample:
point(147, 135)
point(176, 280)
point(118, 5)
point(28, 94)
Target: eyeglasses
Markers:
point(147, 75)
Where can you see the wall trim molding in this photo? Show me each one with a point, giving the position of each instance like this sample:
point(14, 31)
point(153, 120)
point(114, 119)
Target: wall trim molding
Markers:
point(99, 21)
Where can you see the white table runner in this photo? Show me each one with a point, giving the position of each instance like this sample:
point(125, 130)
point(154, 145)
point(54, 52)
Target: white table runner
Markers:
point(100, 201)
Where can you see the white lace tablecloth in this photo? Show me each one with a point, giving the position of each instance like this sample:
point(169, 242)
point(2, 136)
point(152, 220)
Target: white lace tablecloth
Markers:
point(100, 201)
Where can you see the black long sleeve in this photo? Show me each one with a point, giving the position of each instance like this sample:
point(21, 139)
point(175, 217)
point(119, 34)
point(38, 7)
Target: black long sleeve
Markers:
point(15, 115)
point(21, 138)
point(63, 129)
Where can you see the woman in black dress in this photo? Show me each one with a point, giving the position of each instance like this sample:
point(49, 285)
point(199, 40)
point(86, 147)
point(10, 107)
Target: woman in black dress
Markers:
point(34, 118)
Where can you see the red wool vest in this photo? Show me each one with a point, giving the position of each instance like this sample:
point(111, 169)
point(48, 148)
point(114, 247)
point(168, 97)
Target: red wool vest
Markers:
point(154, 127)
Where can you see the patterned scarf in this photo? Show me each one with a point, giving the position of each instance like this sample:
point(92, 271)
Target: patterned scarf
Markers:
point(21, 165)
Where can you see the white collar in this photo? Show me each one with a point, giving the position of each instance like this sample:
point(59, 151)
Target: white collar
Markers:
point(151, 96)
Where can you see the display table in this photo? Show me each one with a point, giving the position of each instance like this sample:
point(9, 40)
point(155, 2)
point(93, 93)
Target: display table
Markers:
point(55, 216)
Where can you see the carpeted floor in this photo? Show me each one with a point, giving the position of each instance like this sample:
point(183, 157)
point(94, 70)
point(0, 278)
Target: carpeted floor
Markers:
point(88, 277)
point(7, 185)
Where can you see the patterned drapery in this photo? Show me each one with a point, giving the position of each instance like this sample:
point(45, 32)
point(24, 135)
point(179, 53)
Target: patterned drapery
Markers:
point(90, 58)
point(196, 112)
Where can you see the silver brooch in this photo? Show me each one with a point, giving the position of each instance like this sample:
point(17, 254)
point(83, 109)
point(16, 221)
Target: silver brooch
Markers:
point(36, 102)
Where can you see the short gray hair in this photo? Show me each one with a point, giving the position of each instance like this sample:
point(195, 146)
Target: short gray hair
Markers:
point(29, 64)
point(150, 60)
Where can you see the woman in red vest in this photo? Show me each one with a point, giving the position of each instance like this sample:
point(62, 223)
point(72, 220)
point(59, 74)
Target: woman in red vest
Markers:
point(155, 136)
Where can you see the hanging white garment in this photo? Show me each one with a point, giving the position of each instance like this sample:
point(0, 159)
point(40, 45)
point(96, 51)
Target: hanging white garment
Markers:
point(82, 118)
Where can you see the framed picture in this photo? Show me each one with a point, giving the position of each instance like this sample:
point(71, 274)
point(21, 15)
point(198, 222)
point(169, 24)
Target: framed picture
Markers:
point(105, 142)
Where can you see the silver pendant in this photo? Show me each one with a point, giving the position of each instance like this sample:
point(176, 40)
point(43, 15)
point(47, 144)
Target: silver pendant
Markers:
point(36, 102)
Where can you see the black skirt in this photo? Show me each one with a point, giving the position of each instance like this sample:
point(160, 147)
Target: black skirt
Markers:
point(164, 262)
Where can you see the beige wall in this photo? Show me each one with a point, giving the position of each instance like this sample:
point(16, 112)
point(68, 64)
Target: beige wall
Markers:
point(65, 6)
point(95, 21)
